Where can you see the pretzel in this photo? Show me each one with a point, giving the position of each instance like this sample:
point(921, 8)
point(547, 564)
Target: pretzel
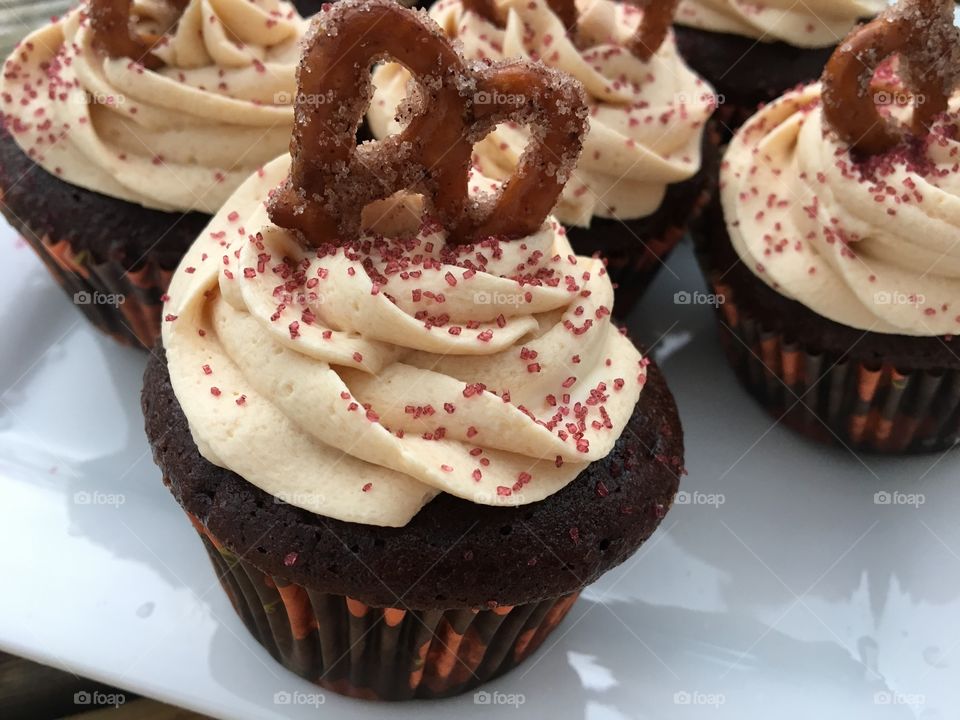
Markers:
point(656, 22)
point(332, 180)
point(110, 21)
point(922, 33)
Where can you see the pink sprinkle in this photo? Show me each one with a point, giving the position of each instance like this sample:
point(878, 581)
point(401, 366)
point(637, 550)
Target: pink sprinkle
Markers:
point(215, 391)
point(241, 400)
point(367, 487)
point(290, 559)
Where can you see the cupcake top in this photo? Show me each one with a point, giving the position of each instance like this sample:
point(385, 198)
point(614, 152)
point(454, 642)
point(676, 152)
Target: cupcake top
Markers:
point(179, 137)
point(867, 241)
point(809, 24)
point(647, 117)
point(350, 336)
point(360, 381)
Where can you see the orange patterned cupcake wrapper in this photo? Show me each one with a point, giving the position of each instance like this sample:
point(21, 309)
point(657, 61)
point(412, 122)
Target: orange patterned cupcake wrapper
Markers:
point(127, 305)
point(879, 409)
point(375, 653)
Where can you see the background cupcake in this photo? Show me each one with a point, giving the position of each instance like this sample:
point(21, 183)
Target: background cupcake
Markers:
point(110, 169)
point(752, 52)
point(644, 171)
point(406, 456)
point(840, 265)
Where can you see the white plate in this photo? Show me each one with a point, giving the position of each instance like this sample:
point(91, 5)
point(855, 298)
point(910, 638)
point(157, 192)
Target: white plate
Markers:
point(797, 597)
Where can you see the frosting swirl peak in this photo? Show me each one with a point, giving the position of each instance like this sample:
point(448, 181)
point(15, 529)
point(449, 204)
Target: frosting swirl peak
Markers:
point(179, 138)
point(647, 118)
point(869, 243)
point(809, 24)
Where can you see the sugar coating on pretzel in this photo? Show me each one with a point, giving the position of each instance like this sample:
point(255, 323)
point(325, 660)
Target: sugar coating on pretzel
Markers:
point(112, 30)
point(923, 35)
point(332, 180)
point(652, 31)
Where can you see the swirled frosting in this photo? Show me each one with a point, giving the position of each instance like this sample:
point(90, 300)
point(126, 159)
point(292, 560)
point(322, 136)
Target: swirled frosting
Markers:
point(646, 118)
point(808, 24)
point(360, 382)
point(180, 138)
point(871, 244)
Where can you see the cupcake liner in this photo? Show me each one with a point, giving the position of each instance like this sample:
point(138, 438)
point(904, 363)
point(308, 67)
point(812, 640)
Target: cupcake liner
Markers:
point(127, 305)
point(827, 397)
point(377, 653)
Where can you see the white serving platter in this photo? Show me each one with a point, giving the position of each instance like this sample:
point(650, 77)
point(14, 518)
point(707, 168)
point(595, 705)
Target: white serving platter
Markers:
point(782, 589)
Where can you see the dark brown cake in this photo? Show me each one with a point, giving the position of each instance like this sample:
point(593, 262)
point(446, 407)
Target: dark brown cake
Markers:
point(871, 391)
point(635, 250)
point(745, 72)
point(454, 553)
point(93, 243)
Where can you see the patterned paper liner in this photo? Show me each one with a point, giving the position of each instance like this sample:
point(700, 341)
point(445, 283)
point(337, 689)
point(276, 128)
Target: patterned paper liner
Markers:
point(377, 653)
point(880, 408)
point(126, 305)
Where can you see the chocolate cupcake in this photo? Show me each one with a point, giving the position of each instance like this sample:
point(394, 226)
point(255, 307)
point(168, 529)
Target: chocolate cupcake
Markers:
point(753, 52)
point(406, 451)
point(645, 170)
point(837, 257)
point(310, 7)
point(115, 150)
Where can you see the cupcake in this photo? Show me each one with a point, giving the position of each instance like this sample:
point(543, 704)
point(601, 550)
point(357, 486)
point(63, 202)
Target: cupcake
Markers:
point(753, 52)
point(116, 149)
point(406, 452)
point(835, 249)
point(646, 166)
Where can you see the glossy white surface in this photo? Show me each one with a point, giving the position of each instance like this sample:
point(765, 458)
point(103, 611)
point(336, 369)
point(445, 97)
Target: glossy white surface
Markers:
point(797, 597)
